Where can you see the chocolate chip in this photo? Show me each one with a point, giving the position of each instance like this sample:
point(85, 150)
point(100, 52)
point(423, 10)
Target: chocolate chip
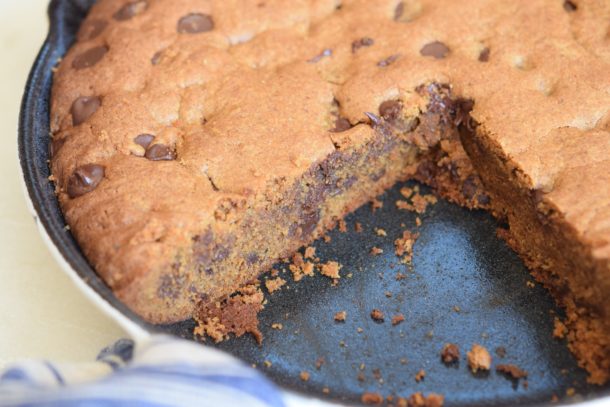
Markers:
point(484, 55)
point(388, 61)
point(130, 10)
point(390, 110)
point(362, 42)
point(85, 179)
point(435, 49)
point(83, 108)
point(156, 58)
point(89, 58)
point(144, 140)
point(569, 6)
point(325, 53)
point(341, 124)
point(195, 23)
point(160, 152)
point(373, 118)
point(399, 10)
point(92, 29)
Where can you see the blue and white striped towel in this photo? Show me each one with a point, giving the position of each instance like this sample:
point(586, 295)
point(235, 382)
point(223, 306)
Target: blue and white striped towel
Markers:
point(162, 372)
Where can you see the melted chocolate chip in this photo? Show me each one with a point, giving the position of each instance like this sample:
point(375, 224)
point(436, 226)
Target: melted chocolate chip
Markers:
point(388, 61)
point(399, 10)
point(469, 187)
point(85, 179)
point(341, 124)
point(462, 109)
point(92, 29)
point(435, 49)
point(325, 53)
point(483, 199)
point(362, 42)
point(390, 110)
point(144, 140)
point(160, 152)
point(89, 58)
point(130, 10)
point(484, 55)
point(195, 23)
point(83, 108)
point(569, 6)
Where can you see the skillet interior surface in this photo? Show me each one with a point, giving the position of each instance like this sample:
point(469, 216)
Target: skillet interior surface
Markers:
point(465, 286)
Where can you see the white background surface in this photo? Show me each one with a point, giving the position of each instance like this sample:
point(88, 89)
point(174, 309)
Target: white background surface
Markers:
point(42, 314)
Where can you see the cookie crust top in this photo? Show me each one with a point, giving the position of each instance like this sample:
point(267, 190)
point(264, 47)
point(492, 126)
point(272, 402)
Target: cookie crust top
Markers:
point(163, 109)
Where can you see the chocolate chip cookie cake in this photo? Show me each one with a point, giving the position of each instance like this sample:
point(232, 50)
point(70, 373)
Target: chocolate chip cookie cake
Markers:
point(196, 142)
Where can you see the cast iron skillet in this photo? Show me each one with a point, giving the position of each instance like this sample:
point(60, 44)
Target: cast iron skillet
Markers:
point(465, 286)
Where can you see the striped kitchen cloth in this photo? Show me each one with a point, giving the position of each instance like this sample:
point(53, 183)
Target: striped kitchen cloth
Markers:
point(164, 371)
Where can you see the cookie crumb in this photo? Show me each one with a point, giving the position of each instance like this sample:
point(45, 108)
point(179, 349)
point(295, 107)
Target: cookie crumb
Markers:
point(376, 251)
point(277, 326)
point(326, 390)
point(342, 226)
point(570, 392)
point(274, 284)
point(310, 252)
point(404, 245)
point(376, 204)
point(450, 353)
point(377, 315)
point(340, 316)
point(380, 232)
point(267, 363)
point(478, 358)
point(371, 398)
point(419, 376)
point(432, 400)
point(397, 319)
point(331, 269)
point(512, 371)
point(406, 192)
point(304, 376)
point(358, 227)
point(320, 362)
point(559, 329)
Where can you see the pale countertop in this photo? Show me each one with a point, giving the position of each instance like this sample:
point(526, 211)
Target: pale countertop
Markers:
point(42, 314)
